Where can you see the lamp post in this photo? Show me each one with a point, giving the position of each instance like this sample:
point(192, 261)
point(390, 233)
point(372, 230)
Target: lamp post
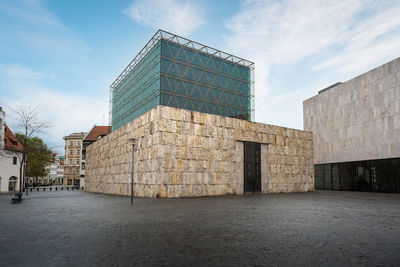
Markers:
point(132, 141)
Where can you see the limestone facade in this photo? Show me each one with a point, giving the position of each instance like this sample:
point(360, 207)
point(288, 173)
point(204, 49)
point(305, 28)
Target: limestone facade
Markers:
point(182, 153)
point(359, 119)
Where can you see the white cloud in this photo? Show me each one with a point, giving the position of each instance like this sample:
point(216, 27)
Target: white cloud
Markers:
point(177, 16)
point(337, 37)
point(18, 70)
point(33, 12)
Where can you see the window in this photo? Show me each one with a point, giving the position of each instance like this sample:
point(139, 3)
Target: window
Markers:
point(70, 161)
point(77, 170)
point(77, 161)
point(83, 165)
point(78, 151)
point(14, 160)
point(79, 143)
point(71, 143)
point(70, 152)
point(69, 181)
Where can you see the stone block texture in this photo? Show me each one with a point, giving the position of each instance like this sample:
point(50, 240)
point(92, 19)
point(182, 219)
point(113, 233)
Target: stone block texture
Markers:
point(358, 119)
point(182, 153)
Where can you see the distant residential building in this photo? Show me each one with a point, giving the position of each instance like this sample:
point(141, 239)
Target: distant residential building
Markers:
point(73, 157)
point(10, 156)
point(52, 171)
point(93, 135)
point(60, 170)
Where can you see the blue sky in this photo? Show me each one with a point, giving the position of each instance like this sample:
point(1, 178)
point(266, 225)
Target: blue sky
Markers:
point(63, 55)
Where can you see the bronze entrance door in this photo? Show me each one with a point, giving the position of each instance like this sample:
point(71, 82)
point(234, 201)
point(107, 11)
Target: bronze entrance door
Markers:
point(252, 167)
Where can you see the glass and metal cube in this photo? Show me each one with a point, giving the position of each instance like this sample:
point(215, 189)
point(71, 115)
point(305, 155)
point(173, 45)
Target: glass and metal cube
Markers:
point(177, 72)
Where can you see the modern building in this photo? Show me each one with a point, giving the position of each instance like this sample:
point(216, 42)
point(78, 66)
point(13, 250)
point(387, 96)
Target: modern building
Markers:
point(73, 156)
point(10, 157)
point(176, 72)
point(182, 115)
point(356, 128)
point(92, 136)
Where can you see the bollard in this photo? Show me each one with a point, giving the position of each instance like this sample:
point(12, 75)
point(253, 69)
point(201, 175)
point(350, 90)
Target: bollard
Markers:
point(44, 188)
point(31, 189)
point(67, 187)
point(72, 188)
point(50, 188)
point(62, 188)
point(56, 188)
point(38, 189)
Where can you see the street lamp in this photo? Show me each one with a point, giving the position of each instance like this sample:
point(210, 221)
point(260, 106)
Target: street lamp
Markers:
point(132, 142)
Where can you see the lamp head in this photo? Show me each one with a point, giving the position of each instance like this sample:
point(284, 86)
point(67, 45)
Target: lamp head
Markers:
point(132, 141)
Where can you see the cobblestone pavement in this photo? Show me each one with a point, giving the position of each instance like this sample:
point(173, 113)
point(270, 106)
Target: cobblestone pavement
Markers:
point(312, 229)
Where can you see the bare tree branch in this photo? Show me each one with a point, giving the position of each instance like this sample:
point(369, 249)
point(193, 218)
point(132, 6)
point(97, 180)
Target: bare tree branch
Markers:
point(28, 122)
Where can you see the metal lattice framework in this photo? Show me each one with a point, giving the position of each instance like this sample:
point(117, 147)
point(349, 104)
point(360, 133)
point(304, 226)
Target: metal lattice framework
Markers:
point(160, 34)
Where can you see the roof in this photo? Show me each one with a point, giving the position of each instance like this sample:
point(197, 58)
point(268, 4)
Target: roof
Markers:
point(10, 141)
point(329, 87)
point(75, 135)
point(96, 132)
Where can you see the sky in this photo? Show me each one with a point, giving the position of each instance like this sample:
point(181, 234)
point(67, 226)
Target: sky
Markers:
point(61, 56)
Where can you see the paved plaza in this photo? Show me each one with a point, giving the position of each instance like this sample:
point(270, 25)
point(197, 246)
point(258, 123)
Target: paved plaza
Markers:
point(310, 229)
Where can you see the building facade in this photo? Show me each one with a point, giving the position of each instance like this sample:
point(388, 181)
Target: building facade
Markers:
point(189, 109)
point(10, 157)
point(73, 157)
point(60, 170)
point(356, 127)
point(183, 153)
point(52, 169)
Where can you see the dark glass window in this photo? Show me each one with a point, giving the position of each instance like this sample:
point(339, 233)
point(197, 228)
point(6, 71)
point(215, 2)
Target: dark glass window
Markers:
point(15, 160)
point(335, 177)
point(327, 176)
point(371, 175)
point(319, 177)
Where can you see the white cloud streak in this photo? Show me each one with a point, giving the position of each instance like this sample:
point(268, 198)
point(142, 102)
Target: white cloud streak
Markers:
point(337, 37)
point(180, 17)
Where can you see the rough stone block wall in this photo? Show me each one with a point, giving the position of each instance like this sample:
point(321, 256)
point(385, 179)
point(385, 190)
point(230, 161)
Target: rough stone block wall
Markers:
point(182, 153)
point(359, 119)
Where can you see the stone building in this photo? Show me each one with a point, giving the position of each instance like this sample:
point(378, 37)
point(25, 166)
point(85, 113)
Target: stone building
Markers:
point(72, 162)
point(92, 136)
point(190, 108)
point(356, 127)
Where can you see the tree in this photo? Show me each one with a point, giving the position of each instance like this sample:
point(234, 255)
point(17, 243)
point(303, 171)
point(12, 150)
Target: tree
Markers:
point(38, 156)
point(27, 123)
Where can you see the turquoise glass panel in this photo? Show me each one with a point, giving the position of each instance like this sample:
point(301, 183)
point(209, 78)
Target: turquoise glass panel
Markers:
point(139, 92)
point(197, 81)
